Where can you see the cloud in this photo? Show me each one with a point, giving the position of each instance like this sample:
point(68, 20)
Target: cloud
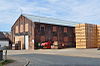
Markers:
point(78, 10)
point(71, 10)
point(53, 1)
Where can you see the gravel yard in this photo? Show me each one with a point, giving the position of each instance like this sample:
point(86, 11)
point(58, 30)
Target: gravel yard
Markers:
point(54, 57)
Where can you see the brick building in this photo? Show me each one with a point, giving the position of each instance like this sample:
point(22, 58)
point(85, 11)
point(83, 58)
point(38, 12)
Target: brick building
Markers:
point(28, 30)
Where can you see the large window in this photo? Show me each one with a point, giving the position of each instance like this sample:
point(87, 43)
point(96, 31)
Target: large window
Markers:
point(21, 28)
point(26, 27)
point(16, 29)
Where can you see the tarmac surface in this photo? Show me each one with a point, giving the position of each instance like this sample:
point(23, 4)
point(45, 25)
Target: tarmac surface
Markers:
point(63, 57)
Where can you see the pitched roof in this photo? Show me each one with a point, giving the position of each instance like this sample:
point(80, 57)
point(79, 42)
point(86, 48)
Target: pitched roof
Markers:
point(2, 36)
point(50, 20)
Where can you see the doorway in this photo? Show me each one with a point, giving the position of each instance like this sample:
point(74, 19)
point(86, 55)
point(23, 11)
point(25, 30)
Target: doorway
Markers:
point(26, 42)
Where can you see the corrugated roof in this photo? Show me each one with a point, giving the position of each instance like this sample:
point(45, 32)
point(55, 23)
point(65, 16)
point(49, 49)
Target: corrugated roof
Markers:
point(50, 20)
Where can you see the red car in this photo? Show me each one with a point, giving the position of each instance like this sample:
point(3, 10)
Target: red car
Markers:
point(46, 44)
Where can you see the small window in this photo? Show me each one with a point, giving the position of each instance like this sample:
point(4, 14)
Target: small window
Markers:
point(65, 34)
point(54, 38)
point(65, 29)
point(42, 28)
point(65, 39)
point(54, 33)
point(49, 27)
point(42, 38)
point(73, 30)
point(70, 35)
point(54, 28)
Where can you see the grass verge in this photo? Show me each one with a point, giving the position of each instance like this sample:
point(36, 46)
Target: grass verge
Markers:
point(4, 62)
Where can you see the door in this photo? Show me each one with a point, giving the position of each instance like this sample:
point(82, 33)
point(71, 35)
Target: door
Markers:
point(21, 39)
point(26, 42)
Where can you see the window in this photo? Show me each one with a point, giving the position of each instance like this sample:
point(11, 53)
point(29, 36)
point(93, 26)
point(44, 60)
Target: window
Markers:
point(65, 29)
point(54, 28)
point(54, 33)
point(42, 38)
point(16, 29)
point(73, 30)
point(65, 34)
point(49, 27)
point(26, 27)
point(21, 28)
point(70, 35)
point(42, 28)
point(54, 38)
point(65, 39)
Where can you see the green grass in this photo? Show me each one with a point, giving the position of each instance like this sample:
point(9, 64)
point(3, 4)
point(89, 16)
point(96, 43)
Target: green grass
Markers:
point(1, 65)
point(6, 62)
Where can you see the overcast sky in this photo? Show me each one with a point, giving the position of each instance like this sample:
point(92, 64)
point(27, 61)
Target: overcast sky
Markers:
point(71, 10)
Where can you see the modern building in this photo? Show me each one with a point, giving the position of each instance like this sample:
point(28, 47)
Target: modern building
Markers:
point(29, 30)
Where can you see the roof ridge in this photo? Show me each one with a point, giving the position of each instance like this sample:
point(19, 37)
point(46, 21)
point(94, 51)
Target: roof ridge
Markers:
point(50, 18)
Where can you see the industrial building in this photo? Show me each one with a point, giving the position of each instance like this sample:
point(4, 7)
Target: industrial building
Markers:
point(29, 30)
